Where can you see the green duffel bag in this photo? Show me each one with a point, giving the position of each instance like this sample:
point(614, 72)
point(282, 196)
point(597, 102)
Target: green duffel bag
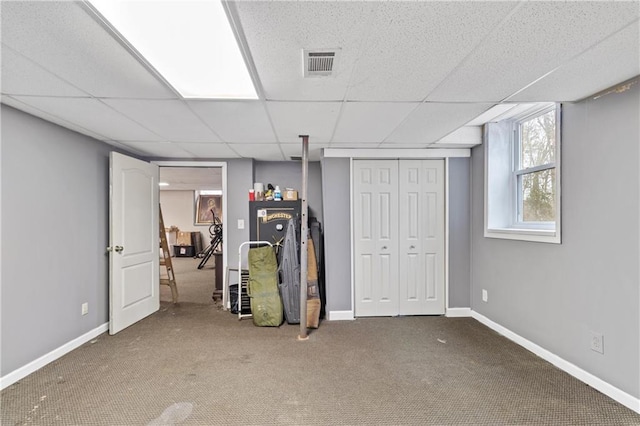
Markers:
point(266, 305)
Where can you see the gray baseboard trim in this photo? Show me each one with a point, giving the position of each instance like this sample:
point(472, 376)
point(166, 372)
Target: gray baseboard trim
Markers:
point(35, 365)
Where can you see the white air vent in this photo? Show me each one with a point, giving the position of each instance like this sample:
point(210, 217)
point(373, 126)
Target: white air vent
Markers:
point(319, 62)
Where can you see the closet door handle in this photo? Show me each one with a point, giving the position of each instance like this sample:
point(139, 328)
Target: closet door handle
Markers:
point(384, 247)
point(412, 247)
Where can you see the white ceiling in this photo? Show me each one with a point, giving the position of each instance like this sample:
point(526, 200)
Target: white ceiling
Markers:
point(191, 178)
point(408, 74)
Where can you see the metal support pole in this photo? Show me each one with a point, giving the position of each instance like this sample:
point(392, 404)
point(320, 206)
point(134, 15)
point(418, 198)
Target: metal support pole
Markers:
point(303, 239)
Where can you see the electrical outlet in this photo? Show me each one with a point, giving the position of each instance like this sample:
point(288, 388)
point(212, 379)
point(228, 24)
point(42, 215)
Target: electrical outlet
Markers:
point(85, 308)
point(597, 342)
point(485, 295)
point(240, 223)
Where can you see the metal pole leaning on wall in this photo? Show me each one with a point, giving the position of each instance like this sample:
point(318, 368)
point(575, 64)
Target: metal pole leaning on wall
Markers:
point(303, 239)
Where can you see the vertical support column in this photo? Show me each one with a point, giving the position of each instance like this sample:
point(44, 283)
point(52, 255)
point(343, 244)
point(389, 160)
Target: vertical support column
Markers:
point(303, 239)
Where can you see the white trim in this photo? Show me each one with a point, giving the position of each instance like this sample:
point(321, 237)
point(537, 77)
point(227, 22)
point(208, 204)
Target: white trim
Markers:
point(396, 153)
point(225, 222)
point(611, 391)
point(536, 235)
point(37, 364)
point(340, 316)
point(352, 240)
point(446, 234)
point(458, 312)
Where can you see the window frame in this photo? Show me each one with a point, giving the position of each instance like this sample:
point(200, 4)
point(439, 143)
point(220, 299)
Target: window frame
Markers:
point(507, 193)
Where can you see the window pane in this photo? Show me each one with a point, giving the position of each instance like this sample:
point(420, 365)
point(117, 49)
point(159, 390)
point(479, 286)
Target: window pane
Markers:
point(538, 195)
point(538, 140)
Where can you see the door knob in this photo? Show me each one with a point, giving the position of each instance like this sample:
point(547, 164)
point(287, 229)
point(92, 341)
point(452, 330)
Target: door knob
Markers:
point(384, 247)
point(117, 249)
point(412, 247)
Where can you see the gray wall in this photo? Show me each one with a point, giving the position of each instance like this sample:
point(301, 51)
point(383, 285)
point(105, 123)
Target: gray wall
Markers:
point(239, 180)
point(55, 196)
point(337, 232)
point(288, 174)
point(459, 232)
point(555, 295)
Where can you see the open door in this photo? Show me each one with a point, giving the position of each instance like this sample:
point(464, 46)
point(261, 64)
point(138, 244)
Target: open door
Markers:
point(134, 242)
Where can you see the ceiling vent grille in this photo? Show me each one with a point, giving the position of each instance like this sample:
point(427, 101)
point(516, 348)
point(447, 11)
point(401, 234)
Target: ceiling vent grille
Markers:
point(319, 62)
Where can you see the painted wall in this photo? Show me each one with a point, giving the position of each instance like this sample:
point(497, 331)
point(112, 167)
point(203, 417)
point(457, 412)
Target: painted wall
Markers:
point(556, 295)
point(337, 232)
point(55, 197)
point(288, 174)
point(459, 232)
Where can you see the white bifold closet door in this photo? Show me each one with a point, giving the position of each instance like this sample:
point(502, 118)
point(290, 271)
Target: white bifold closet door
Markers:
point(399, 237)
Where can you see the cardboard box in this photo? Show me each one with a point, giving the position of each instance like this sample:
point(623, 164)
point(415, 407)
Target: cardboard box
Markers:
point(184, 238)
point(289, 195)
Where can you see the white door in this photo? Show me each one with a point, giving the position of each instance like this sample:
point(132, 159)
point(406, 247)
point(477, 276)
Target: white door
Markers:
point(134, 242)
point(421, 237)
point(398, 237)
point(376, 237)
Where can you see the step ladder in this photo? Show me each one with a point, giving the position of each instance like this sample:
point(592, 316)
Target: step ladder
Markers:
point(166, 261)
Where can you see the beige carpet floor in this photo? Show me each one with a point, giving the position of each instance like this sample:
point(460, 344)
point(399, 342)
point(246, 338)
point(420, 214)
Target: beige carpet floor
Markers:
point(195, 364)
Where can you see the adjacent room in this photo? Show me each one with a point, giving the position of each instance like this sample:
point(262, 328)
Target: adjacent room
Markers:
point(447, 196)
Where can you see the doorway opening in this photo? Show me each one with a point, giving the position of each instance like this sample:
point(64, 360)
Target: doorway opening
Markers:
point(193, 201)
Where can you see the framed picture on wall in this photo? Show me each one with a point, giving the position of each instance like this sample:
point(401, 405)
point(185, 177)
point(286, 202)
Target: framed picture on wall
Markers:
point(205, 203)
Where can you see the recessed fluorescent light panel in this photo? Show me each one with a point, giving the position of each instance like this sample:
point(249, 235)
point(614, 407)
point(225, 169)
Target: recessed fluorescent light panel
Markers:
point(190, 43)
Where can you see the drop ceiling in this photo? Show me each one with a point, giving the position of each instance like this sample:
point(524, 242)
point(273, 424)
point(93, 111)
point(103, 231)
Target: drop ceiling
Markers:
point(408, 75)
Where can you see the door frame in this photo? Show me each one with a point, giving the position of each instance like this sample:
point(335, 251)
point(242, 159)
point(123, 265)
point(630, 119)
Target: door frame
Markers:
point(399, 154)
point(225, 222)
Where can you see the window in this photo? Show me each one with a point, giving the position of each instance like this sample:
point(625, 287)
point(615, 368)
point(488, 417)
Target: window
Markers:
point(522, 174)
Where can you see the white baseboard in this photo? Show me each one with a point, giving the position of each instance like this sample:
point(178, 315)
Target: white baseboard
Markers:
point(33, 366)
point(340, 316)
point(611, 391)
point(458, 312)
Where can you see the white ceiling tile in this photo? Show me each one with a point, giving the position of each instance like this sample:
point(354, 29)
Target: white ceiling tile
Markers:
point(433, 121)
point(315, 119)
point(610, 62)
point(64, 38)
point(209, 150)
point(190, 178)
point(413, 46)
point(277, 32)
point(370, 122)
point(532, 42)
point(236, 121)
point(20, 76)
point(262, 151)
point(159, 149)
point(91, 114)
point(171, 119)
point(15, 103)
point(295, 150)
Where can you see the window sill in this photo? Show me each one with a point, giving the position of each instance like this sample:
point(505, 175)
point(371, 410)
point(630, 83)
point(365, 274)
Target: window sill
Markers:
point(535, 235)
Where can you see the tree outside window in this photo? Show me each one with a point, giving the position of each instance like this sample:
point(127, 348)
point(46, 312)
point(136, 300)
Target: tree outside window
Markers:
point(536, 168)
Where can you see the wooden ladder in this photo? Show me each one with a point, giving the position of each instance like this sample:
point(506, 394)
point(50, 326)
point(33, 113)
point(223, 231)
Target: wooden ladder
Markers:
point(166, 261)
